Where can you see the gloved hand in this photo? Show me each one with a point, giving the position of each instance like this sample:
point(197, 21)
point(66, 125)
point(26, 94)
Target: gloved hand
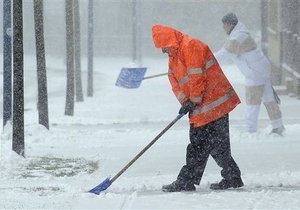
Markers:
point(186, 107)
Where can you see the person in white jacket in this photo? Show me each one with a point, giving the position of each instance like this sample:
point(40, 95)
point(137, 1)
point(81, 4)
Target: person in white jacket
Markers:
point(254, 65)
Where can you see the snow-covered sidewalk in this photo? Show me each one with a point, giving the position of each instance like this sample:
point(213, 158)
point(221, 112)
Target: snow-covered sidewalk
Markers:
point(109, 129)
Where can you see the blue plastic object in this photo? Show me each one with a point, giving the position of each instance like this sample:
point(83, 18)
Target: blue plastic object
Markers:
point(101, 187)
point(131, 77)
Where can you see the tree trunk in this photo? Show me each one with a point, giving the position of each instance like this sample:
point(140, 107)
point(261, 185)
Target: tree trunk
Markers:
point(7, 73)
point(41, 63)
point(18, 85)
point(90, 90)
point(78, 82)
point(69, 108)
point(136, 33)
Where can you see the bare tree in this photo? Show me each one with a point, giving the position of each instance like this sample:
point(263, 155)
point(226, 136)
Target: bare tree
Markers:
point(18, 144)
point(136, 33)
point(78, 81)
point(69, 108)
point(90, 90)
point(7, 73)
point(41, 63)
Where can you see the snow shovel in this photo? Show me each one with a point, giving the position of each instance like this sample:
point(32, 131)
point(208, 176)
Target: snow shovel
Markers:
point(132, 77)
point(107, 182)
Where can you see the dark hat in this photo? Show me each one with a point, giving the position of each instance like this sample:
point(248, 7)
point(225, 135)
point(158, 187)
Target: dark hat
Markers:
point(230, 18)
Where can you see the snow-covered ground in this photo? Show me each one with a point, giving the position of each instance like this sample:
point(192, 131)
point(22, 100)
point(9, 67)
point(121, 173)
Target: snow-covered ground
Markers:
point(109, 129)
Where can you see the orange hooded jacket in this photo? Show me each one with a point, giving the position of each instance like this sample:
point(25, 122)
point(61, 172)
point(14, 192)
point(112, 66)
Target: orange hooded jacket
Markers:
point(195, 75)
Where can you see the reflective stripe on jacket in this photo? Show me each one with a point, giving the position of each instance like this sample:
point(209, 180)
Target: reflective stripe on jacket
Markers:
point(195, 75)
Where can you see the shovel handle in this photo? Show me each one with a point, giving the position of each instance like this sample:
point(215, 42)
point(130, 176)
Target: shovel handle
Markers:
point(157, 75)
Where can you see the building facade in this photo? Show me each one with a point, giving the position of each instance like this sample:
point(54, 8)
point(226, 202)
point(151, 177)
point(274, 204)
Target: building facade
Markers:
point(281, 42)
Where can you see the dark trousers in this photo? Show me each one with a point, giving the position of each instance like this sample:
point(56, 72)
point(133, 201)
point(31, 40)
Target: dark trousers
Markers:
point(210, 139)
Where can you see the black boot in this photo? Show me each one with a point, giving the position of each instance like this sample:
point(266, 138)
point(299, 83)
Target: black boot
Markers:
point(179, 185)
point(225, 184)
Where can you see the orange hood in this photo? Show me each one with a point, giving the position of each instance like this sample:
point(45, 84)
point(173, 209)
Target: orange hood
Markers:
point(164, 36)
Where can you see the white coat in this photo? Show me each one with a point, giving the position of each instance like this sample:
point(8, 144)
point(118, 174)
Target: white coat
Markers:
point(254, 65)
point(250, 60)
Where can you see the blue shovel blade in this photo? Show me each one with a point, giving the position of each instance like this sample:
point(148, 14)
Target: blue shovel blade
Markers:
point(131, 77)
point(101, 187)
